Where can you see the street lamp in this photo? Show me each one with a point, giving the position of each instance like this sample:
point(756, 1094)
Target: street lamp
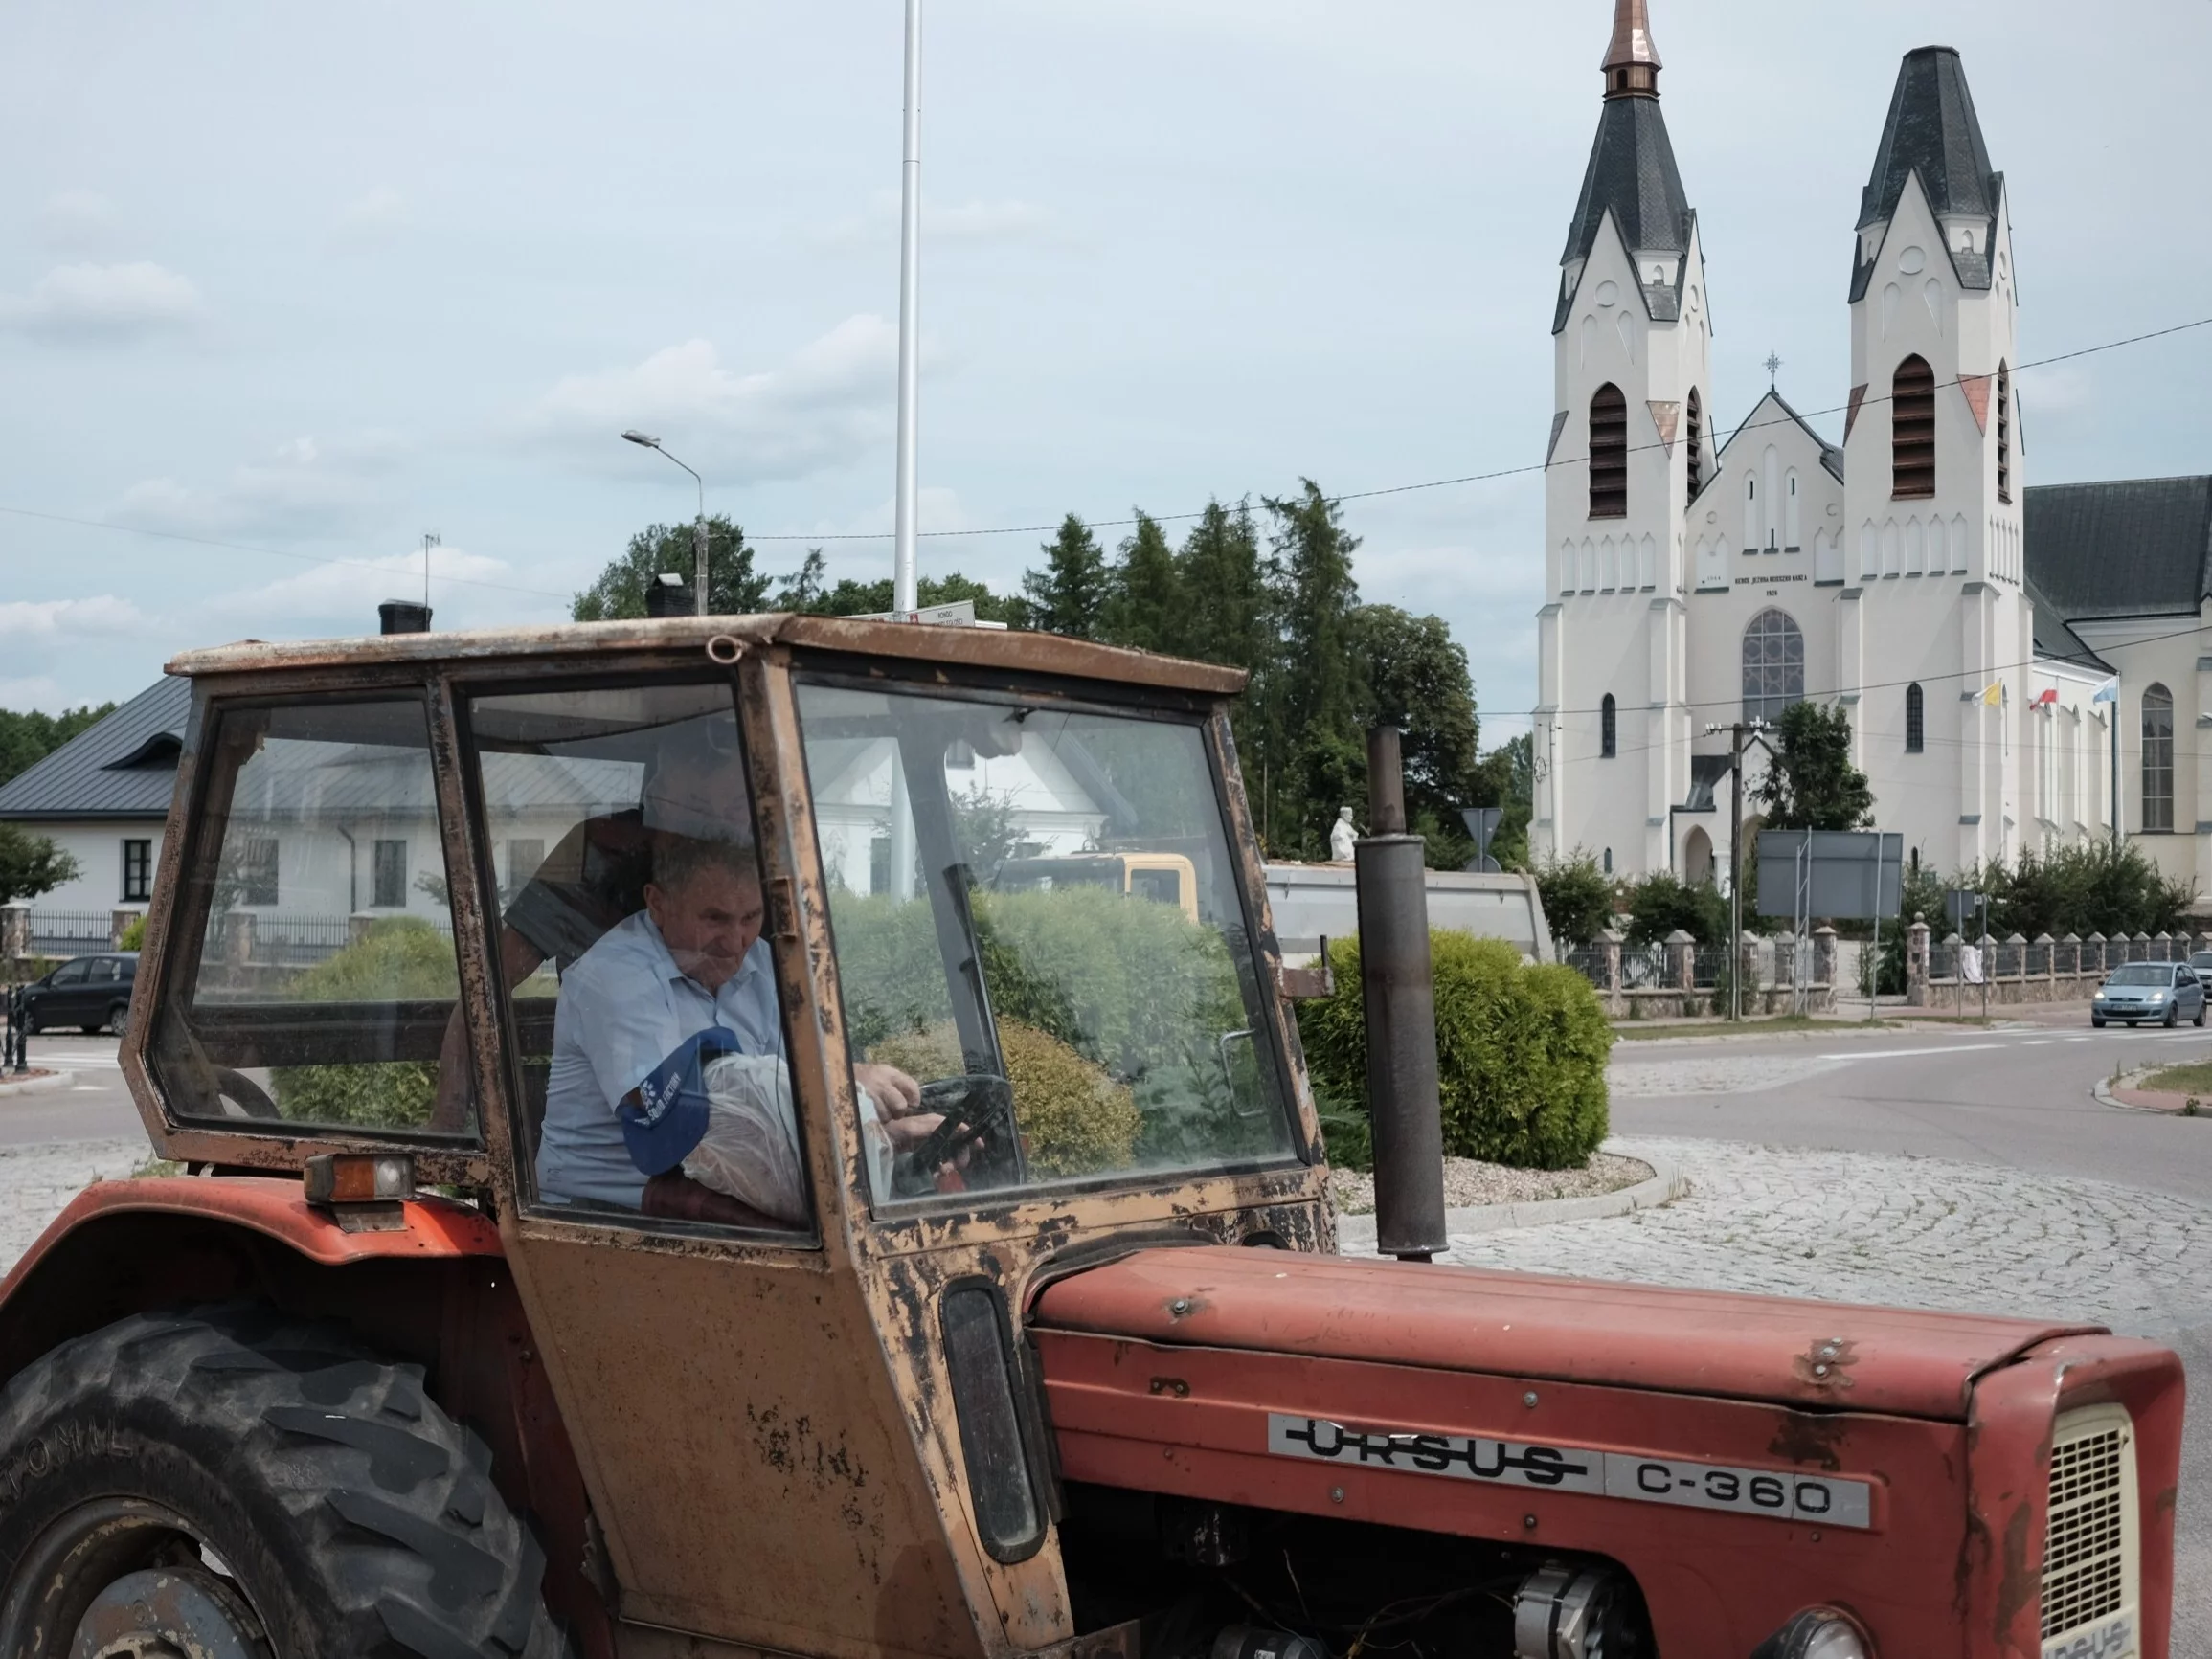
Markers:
point(698, 525)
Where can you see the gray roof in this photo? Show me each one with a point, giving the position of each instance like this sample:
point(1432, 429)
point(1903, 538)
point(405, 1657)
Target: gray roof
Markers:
point(125, 767)
point(1632, 174)
point(1933, 131)
point(1831, 456)
point(2128, 547)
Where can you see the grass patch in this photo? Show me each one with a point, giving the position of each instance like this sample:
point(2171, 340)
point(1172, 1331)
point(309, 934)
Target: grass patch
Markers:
point(2179, 1080)
point(1761, 1027)
point(156, 1169)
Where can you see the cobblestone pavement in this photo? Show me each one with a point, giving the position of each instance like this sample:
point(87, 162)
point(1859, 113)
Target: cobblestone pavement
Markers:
point(1904, 1231)
point(37, 1181)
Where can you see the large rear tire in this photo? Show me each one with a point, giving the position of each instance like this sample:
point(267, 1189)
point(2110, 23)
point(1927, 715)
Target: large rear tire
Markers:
point(235, 1483)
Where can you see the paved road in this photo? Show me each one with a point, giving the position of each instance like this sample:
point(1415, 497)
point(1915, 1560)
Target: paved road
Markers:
point(95, 1107)
point(1948, 1167)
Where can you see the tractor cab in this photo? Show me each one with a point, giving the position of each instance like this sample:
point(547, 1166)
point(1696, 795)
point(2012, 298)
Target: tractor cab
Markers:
point(770, 1134)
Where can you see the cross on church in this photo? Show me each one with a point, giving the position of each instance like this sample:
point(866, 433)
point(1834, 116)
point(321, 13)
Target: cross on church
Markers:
point(1773, 368)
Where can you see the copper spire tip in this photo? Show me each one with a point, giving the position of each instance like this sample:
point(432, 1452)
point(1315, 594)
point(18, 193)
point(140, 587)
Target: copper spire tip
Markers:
point(1632, 62)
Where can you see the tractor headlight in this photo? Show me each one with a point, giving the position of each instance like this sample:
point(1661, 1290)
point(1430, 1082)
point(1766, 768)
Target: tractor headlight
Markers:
point(1816, 1633)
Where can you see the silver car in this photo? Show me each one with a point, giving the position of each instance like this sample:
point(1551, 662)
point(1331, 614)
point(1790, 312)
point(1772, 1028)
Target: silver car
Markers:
point(2167, 991)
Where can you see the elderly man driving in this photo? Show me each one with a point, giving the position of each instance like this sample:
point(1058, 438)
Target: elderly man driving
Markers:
point(691, 961)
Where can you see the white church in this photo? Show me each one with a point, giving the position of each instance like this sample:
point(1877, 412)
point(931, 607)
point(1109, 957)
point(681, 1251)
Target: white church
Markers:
point(1965, 621)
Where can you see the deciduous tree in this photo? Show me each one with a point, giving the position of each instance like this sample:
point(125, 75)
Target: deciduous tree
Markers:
point(1810, 782)
point(733, 587)
point(31, 864)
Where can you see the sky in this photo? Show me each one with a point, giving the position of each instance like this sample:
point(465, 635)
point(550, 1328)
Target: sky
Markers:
point(283, 288)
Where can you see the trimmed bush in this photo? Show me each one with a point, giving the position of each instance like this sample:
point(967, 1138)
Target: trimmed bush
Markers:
point(398, 959)
point(1521, 1053)
point(1075, 1120)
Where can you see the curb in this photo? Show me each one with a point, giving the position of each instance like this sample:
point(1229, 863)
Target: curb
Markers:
point(2100, 1091)
point(53, 1080)
point(1667, 1184)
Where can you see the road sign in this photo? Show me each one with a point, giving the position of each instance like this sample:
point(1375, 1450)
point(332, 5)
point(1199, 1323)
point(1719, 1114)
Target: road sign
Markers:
point(1838, 874)
point(1482, 823)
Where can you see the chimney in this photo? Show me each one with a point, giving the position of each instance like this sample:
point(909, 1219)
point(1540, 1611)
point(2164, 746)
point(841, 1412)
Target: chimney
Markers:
point(404, 617)
point(669, 594)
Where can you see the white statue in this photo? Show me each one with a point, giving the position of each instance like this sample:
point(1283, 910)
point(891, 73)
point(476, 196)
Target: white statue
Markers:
point(1341, 836)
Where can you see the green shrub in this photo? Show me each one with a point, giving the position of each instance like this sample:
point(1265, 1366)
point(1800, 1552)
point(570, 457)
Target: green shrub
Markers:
point(1073, 1119)
point(134, 935)
point(401, 957)
point(1521, 1053)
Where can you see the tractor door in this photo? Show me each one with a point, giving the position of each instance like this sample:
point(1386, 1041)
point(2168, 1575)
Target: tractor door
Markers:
point(745, 1449)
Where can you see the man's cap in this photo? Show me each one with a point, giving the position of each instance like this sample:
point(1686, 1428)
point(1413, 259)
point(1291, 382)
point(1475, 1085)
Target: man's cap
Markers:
point(665, 1115)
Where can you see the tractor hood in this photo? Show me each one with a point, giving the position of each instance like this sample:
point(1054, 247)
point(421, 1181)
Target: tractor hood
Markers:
point(1696, 1342)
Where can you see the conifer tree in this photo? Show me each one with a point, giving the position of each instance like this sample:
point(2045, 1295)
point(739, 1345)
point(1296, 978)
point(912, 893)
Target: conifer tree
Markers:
point(1314, 715)
point(1143, 606)
point(1069, 593)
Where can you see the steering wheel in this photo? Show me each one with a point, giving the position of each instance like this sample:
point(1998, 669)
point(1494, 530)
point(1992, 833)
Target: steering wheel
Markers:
point(242, 1091)
point(978, 1106)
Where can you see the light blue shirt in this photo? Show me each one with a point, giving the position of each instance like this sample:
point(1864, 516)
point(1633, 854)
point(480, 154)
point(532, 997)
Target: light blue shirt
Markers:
point(625, 1006)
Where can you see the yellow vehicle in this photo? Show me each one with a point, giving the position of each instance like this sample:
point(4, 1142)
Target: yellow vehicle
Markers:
point(1165, 878)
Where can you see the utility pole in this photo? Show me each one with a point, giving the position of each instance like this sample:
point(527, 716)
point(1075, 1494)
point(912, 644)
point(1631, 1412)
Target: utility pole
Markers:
point(1741, 734)
point(905, 588)
point(429, 541)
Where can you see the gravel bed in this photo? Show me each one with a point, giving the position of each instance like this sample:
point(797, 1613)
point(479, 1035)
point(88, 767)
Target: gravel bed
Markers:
point(1469, 1182)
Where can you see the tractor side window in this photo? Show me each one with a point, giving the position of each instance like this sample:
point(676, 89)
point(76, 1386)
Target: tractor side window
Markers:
point(1053, 942)
point(315, 987)
point(640, 994)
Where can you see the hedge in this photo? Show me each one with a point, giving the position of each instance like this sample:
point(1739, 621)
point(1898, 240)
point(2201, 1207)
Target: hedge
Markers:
point(1521, 1053)
point(400, 958)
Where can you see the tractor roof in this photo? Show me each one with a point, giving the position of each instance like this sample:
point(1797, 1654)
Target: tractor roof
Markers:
point(920, 642)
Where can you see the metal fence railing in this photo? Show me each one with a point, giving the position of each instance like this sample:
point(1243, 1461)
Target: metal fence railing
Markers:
point(1707, 966)
point(70, 932)
point(1645, 968)
point(1589, 962)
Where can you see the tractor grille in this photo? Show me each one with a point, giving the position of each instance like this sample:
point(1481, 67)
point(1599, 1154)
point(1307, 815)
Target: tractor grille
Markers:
point(2090, 1556)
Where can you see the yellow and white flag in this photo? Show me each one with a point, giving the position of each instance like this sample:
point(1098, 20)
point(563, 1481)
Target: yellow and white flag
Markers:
point(1995, 695)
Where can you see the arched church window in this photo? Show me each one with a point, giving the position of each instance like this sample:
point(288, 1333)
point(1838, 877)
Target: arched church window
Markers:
point(2158, 758)
point(1607, 453)
point(1608, 729)
point(1912, 430)
point(2003, 433)
point(1754, 532)
point(1793, 525)
point(1774, 665)
point(1915, 720)
point(1694, 443)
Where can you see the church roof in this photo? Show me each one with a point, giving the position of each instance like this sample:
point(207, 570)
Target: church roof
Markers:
point(1831, 456)
point(2130, 548)
point(1933, 131)
point(1632, 175)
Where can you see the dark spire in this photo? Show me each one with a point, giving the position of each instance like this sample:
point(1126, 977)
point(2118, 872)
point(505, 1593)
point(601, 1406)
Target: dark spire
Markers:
point(1632, 62)
point(1933, 131)
point(1632, 172)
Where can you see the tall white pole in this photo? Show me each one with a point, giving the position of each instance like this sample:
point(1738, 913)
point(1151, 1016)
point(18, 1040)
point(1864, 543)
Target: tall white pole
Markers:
point(904, 587)
point(903, 582)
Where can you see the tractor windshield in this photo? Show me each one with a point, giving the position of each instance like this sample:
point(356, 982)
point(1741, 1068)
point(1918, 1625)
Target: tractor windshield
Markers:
point(1070, 1024)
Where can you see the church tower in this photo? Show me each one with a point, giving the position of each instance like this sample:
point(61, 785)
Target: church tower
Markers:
point(1630, 444)
point(1937, 660)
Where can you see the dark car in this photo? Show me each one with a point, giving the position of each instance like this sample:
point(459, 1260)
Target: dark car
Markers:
point(86, 992)
point(2167, 991)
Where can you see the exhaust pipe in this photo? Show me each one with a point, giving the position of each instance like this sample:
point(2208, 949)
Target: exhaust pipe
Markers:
point(1400, 999)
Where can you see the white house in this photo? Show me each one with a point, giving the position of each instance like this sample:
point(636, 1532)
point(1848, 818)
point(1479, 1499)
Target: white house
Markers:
point(1965, 621)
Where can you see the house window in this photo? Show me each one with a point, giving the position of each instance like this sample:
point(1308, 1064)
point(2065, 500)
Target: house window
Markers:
point(388, 865)
point(1912, 430)
point(1694, 443)
point(1915, 720)
point(1773, 666)
point(1608, 453)
point(137, 872)
point(1608, 729)
point(2003, 433)
point(2158, 758)
point(1609, 861)
point(253, 869)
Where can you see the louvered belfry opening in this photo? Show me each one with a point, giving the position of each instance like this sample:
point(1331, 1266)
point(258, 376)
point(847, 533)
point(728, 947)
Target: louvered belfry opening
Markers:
point(1912, 430)
point(1694, 443)
point(1608, 453)
point(2003, 433)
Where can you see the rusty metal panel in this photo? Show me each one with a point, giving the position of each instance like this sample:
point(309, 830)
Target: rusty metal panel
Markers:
point(1199, 1422)
point(687, 637)
point(1464, 1319)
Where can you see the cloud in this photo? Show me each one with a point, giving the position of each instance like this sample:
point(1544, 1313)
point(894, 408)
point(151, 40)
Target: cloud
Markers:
point(375, 215)
point(103, 303)
point(77, 221)
point(341, 598)
point(41, 621)
point(304, 489)
point(826, 404)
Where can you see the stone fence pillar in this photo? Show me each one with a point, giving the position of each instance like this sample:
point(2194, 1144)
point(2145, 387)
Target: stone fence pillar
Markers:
point(1608, 967)
point(2015, 950)
point(1747, 967)
point(2092, 956)
point(2072, 948)
point(239, 938)
point(118, 923)
point(357, 926)
point(2050, 947)
point(2142, 950)
point(15, 932)
point(1825, 955)
point(1915, 964)
point(1682, 960)
point(2161, 945)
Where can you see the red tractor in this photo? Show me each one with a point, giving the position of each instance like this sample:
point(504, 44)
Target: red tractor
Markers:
point(1018, 1329)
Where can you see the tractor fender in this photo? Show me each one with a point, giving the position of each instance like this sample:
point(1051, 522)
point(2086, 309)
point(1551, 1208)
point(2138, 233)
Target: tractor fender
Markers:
point(434, 1291)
